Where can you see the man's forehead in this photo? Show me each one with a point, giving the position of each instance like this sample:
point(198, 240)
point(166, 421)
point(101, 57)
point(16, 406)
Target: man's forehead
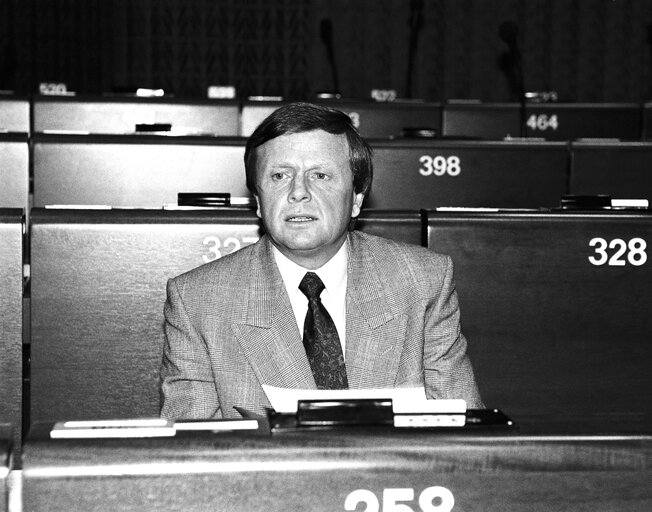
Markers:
point(311, 144)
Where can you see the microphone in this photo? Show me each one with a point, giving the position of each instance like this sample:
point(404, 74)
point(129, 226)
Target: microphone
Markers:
point(511, 62)
point(415, 23)
point(326, 34)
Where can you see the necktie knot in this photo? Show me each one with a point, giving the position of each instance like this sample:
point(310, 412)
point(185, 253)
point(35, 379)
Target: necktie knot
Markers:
point(311, 286)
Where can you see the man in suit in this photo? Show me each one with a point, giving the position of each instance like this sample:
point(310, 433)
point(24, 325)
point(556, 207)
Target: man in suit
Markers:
point(384, 314)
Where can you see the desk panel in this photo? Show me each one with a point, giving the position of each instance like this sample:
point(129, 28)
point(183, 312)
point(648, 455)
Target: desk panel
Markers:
point(491, 121)
point(14, 171)
point(120, 115)
point(98, 289)
point(134, 171)
point(622, 170)
point(556, 307)
point(551, 121)
point(97, 293)
point(430, 174)
point(373, 120)
point(400, 225)
point(11, 319)
point(326, 471)
point(14, 114)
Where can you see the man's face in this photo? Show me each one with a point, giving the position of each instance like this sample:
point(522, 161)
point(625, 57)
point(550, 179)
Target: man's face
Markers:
point(305, 194)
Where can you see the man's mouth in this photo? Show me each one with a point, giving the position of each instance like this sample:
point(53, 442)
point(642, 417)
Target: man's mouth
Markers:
point(300, 218)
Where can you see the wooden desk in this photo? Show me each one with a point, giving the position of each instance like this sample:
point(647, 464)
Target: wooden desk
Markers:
point(337, 470)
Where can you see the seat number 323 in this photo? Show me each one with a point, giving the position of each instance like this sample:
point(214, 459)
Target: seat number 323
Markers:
point(431, 499)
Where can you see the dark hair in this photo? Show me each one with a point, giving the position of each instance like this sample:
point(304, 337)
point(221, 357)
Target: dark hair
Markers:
point(304, 117)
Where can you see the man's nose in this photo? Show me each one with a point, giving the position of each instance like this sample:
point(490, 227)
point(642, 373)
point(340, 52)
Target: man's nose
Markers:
point(299, 190)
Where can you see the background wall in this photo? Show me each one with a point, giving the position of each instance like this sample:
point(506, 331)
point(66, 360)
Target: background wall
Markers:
point(587, 50)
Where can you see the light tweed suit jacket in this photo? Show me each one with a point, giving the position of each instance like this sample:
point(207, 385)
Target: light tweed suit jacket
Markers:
point(229, 327)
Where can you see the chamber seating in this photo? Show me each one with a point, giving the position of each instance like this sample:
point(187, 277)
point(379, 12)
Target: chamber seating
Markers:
point(556, 307)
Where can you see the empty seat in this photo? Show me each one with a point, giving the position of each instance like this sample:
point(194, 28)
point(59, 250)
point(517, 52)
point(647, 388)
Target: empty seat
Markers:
point(134, 171)
point(620, 169)
point(550, 121)
point(556, 307)
point(127, 115)
point(434, 173)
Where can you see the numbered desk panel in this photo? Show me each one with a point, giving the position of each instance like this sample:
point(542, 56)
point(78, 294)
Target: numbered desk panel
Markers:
point(491, 121)
point(622, 170)
point(11, 319)
point(431, 173)
point(97, 293)
point(14, 114)
point(556, 308)
point(14, 171)
point(369, 470)
point(121, 115)
point(98, 287)
point(551, 121)
point(372, 119)
point(136, 171)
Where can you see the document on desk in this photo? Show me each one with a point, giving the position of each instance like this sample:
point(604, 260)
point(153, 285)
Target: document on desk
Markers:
point(404, 400)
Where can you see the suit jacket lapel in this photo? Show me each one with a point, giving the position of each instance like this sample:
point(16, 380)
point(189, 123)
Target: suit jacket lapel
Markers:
point(268, 335)
point(374, 336)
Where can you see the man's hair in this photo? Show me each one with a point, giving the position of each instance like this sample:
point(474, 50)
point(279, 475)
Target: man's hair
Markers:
point(304, 117)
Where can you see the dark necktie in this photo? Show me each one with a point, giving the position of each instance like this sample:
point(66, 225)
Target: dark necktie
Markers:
point(320, 338)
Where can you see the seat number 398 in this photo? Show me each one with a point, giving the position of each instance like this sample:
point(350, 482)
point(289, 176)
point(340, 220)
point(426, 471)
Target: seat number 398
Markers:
point(431, 499)
point(440, 165)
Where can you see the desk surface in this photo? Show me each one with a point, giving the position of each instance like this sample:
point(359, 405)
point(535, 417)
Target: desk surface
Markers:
point(334, 470)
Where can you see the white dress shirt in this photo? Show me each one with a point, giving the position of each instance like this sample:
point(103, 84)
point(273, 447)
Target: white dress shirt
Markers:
point(333, 275)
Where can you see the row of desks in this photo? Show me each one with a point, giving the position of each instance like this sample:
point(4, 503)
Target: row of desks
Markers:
point(124, 115)
point(149, 171)
point(555, 306)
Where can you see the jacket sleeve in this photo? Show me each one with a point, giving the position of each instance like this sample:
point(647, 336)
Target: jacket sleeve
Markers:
point(447, 368)
point(187, 384)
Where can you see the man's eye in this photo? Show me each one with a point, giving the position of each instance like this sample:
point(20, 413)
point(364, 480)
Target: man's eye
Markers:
point(277, 176)
point(320, 175)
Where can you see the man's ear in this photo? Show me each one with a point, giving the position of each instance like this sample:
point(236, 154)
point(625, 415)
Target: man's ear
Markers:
point(357, 204)
point(258, 206)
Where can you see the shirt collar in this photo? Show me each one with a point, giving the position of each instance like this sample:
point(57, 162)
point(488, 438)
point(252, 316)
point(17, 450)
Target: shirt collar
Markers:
point(332, 273)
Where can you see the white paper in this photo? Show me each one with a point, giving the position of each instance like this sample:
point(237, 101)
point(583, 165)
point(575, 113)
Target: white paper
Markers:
point(404, 400)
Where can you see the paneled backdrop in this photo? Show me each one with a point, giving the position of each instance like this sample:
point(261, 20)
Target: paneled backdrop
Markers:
point(586, 50)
